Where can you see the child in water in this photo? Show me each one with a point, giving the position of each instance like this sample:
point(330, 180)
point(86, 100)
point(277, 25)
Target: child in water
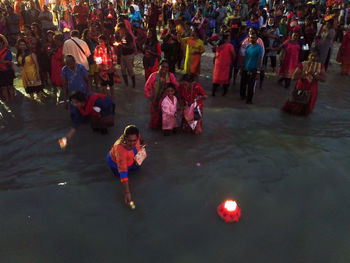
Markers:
point(169, 110)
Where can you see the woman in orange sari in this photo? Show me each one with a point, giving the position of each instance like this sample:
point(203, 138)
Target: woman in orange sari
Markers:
point(308, 73)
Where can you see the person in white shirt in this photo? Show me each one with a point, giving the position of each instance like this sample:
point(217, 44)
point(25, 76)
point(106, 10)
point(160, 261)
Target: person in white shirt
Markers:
point(77, 48)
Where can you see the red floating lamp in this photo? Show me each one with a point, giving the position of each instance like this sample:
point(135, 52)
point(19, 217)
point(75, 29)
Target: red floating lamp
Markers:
point(229, 211)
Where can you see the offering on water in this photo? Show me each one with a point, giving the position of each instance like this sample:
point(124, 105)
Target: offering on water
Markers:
point(132, 205)
point(229, 211)
point(62, 142)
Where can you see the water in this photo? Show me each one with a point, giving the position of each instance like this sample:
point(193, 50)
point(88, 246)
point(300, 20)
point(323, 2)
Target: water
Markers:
point(289, 175)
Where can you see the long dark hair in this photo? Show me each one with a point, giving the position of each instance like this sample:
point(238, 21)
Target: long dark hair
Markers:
point(84, 35)
point(153, 39)
point(26, 53)
point(105, 40)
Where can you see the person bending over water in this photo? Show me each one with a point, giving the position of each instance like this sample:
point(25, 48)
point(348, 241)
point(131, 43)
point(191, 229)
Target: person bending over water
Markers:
point(121, 157)
point(96, 108)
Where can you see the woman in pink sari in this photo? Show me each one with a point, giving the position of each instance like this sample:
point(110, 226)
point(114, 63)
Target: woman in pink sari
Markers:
point(289, 59)
point(154, 90)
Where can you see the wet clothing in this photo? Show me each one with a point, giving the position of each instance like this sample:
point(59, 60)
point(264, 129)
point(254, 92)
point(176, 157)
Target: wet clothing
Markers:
point(169, 109)
point(121, 160)
point(154, 89)
point(305, 84)
point(187, 97)
point(100, 108)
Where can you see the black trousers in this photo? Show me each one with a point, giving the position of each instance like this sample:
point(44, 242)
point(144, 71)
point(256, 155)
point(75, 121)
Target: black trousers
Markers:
point(248, 81)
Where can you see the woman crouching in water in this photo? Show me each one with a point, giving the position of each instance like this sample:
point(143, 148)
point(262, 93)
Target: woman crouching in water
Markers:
point(96, 108)
point(121, 158)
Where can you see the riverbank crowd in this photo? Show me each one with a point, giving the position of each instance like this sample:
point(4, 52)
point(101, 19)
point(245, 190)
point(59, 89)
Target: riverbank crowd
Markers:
point(83, 49)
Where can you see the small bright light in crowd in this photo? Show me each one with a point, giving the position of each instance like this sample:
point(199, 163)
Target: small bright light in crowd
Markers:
point(116, 43)
point(230, 205)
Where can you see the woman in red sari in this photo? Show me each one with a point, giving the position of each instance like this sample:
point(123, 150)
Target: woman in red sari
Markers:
point(57, 62)
point(343, 56)
point(289, 59)
point(154, 90)
point(308, 73)
point(189, 93)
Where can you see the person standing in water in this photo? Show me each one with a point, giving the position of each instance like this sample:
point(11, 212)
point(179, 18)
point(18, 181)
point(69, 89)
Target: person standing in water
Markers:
point(252, 66)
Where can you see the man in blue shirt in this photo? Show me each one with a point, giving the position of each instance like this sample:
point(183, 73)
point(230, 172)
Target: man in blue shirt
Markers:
point(252, 66)
point(75, 78)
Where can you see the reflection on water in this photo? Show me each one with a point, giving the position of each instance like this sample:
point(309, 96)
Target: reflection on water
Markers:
point(255, 153)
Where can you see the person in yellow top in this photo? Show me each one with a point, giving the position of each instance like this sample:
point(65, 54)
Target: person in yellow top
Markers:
point(30, 73)
point(194, 47)
point(121, 158)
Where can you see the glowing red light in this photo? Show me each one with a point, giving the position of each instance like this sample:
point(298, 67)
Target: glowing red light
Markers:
point(230, 205)
point(229, 211)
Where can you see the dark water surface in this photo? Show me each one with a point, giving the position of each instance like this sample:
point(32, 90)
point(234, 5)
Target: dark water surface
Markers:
point(289, 175)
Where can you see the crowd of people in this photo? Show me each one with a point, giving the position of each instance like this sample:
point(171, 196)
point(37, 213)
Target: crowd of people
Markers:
point(77, 48)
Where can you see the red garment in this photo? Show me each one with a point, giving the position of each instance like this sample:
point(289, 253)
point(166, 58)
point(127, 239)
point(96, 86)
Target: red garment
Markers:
point(150, 92)
point(303, 84)
point(343, 56)
point(95, 16)
point(89, 107)
point(123, 157)
point(290, 60)
point(129, 28)
point(153, 16)
point(223, 61)
point(187, 97)
point(109, 59)
point(344, 49)
point(155, 67)
point(56, 68)
point(3, 66)
point(82, 13)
